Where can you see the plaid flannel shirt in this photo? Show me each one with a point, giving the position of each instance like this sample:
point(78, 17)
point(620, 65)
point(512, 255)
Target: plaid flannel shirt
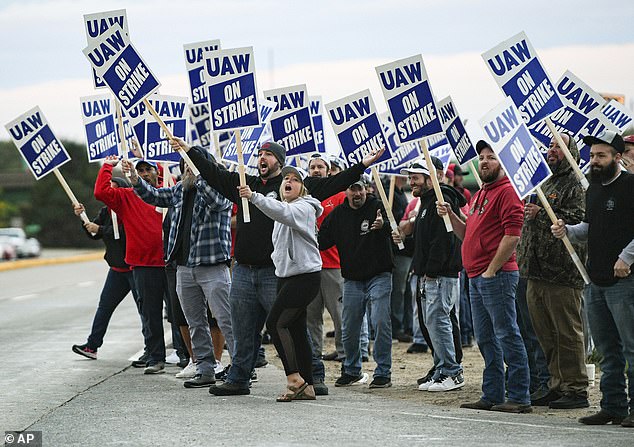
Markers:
point(211, 220)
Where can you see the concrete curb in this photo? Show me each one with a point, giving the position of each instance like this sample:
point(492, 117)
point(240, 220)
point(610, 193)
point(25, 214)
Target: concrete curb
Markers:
point(26, 263)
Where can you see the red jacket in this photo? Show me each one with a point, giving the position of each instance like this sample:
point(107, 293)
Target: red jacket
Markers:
point(495, 212)
point(330, 257)
point(142, 223)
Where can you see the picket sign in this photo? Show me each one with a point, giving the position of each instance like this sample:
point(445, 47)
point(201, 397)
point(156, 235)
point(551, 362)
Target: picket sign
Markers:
point(246, 214)
point(124, 148)
point(388, 207)
point(167, 131)
point(571, 160)
point(435, 182)
point(391, 193)
point(69, 193)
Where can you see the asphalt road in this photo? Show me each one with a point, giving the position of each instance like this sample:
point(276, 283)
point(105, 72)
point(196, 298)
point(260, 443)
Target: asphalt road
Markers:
point(78, 402)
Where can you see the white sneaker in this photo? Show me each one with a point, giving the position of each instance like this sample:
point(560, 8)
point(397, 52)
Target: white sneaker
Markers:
point(188, 372)
point(172, 359)
point(425, 385)
point(219, 368)
point(444, 383)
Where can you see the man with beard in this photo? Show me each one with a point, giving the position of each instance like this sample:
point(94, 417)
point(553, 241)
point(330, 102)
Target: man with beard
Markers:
point(199, 243)
point(609, 231)
point(555, 286)
point(490, 235)
point(254, 285)
point(436, 264)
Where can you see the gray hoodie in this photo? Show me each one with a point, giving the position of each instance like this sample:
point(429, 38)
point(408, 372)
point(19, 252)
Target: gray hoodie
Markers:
point(295, 247)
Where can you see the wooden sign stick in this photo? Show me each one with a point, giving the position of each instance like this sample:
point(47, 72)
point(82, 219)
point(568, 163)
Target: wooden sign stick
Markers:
point(246, 215)
point(388, 209)
point(435, 183)
point(167, 131)
point(391, 192)
point(573, 163)
point(124, 147)
point(475, 174)
point(566, 241)
point(69, 193)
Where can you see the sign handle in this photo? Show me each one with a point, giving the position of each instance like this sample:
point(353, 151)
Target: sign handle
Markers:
point(217, 146)
point(115, 225)
point(124, 146)
point(475, 173)
point(246, 215)
point(167, 131)
point(573, 163)
point(434, 181)
point(391, 193)
point(566, 241)
point(388, 209)
point(69, 193)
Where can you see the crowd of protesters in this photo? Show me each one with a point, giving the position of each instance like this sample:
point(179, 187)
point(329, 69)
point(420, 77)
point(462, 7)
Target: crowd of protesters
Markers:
point(319, 240)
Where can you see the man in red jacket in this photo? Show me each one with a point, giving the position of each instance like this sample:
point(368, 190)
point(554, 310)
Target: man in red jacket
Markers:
point(144, 252)
point(490, 236)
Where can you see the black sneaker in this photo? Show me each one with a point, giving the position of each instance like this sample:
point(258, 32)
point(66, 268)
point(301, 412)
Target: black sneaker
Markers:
point(200, 381)
point(569, 401)
point(182, 362)
point(254, 376)
point(141, 362)
point(85, 351)
point(417, 348)
point(427, 377)
point(261, 362)
point(320, 388)
point(222, 375)
point(229, 389)
point(347, 379)
point(381, 382)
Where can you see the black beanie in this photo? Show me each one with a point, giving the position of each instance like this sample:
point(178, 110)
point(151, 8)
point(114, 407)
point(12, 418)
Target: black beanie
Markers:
point(276, 149)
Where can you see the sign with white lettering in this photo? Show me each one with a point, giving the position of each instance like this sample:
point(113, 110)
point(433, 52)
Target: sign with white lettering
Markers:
point(457, 137)
point(251, 138)
point(195, 64)
point(174, 112)
point(618, 115)
point(97, 24)
point(317, 115)
point(36, 142)
point(409, 98)
point(97, 113)
point(402, 155)
point(519, 73)
point(510, 139)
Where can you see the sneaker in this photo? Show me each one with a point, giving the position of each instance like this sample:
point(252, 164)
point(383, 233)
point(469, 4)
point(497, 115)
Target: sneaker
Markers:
point(543, 398)
point(222, 375)
point(158, 368)
point(424, 386)
point(569, 401)
point(229, 389)
point(254, 376)
point(347, 379)
point(200, 381)
point(446, 383)
point(417, 348)
point(628, 421)
point(320, 388)
point(602, 418)
point(141, 362)
point(85, 351)
point(218, 368)
point(261, 362)
point(381, 382)
point(512, 407)
point(478, 405)
point(427, 377)
point(188, 372)
point(183, 362)
point(172, 359)
point(331, 356)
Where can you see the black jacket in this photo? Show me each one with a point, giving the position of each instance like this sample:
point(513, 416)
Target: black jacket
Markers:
point(363, 253)
point(436, 251)
point(115, 248)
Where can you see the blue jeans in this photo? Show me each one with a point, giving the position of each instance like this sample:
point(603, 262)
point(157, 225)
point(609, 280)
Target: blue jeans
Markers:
point(399, 284)
point(611, 316)
point(417, 333)
point(253, 291)
point(439, 297)
point(151, 284)
point(466, 321)
point(356, 295)
point(498, 337)
point(115, 289)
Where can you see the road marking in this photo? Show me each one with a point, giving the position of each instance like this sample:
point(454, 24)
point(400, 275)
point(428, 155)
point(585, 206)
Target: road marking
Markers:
point(24, 297)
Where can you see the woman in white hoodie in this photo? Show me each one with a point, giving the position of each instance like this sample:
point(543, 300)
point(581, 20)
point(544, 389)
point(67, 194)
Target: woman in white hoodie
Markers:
point(297, 265)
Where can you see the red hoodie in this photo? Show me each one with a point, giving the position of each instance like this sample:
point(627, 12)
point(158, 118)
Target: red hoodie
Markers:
point(495, 212)
point(330, 257)
point(142, 224)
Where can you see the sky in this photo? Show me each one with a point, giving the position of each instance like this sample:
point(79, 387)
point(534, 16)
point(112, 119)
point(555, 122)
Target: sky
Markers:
point(331, 46)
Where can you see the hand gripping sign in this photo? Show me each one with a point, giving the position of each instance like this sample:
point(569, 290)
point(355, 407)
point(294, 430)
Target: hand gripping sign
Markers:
point(317, 115)
point(233, 102)
point(411, 104)
point(99, 23)
point(291, 123)
point(521, 159)
point(41, 150)
point(519, 73)
point(359, 131)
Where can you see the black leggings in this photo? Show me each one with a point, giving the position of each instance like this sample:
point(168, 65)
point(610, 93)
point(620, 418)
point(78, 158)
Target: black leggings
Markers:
point(287, 323)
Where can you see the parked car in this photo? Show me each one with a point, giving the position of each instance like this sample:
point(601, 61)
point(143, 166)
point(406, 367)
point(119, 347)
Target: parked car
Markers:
point(7, 249)
point(24, 247)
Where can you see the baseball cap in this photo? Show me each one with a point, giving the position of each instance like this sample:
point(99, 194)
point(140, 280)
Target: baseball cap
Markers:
point(320, 157)
point(299, 172)
point(416, 168)
point(456, 169)
point(363, 181)
point(608, 137)
point(149, 163)
point(482, 145)
point(336, 161)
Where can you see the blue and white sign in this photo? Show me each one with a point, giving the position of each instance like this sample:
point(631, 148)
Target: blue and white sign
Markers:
point(174, 112)
point(118, 63)
point(97, 114)
point(437, 141)
point(357, 126)
point(457, 136)
point(128, 134)
point(581, 104)
point(195, 63)
point(519, 73)
point(443, 153)
point(510, 139)
point(409, 98)
point(136, 118)
point(251, 138)
point(592, 128)
point(618, 115)
point(36, 142)
point(317, 115)
point(402, 155)
point(232, 89)
point(201, 123)
point(97, 24)
point(291, 123)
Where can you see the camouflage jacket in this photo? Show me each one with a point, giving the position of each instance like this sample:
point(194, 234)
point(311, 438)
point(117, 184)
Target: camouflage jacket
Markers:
point(540, 255)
